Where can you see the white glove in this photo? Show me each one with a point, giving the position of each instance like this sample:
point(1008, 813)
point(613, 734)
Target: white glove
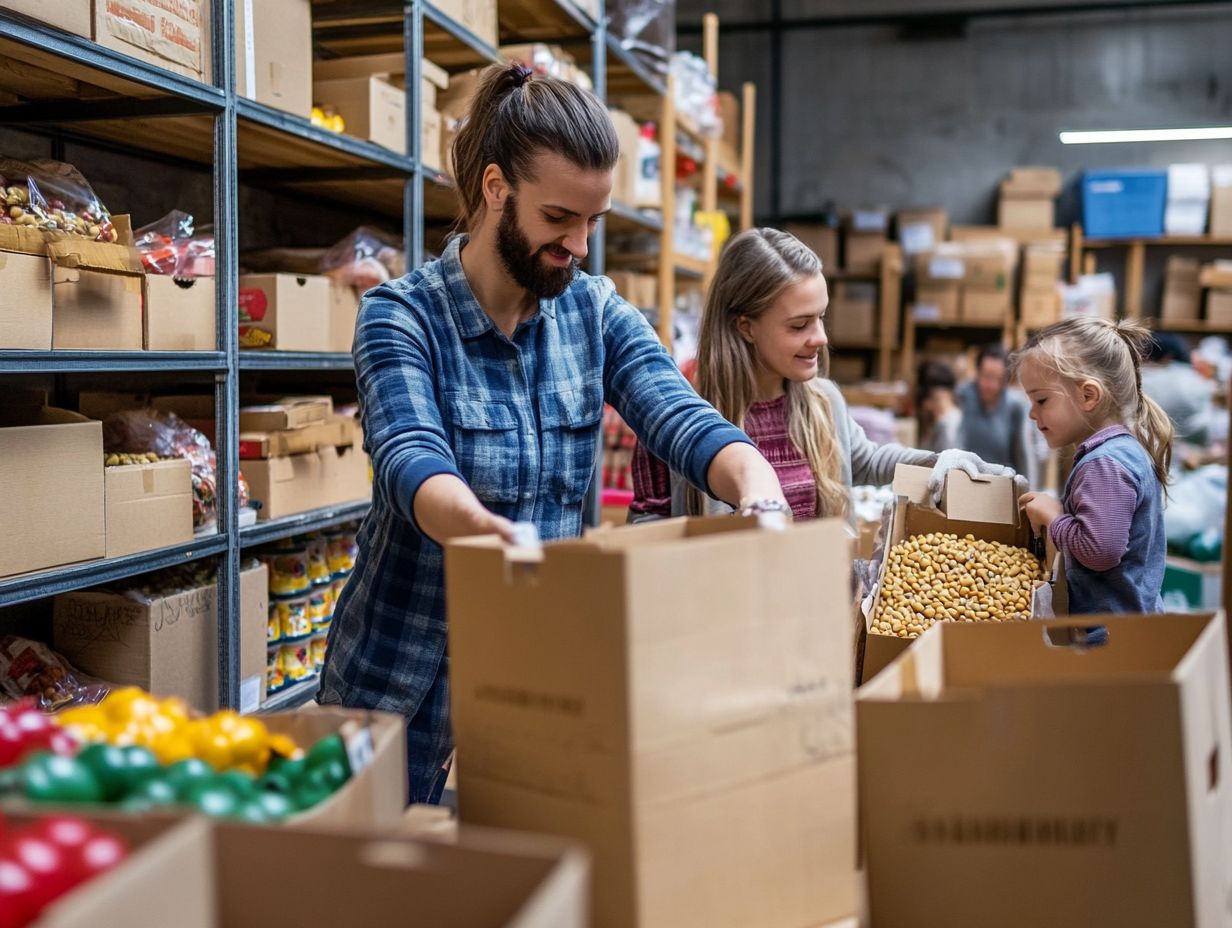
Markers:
point(965, 461)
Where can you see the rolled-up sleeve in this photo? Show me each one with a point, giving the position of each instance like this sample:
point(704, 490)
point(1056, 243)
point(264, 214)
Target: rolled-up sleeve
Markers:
point(644, 385)
point(403, 429)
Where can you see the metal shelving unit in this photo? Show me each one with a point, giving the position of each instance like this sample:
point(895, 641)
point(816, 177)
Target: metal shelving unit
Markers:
point(79, 91)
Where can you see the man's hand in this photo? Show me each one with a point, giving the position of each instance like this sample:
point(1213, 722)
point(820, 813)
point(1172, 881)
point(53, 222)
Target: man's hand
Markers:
point(1042, 509)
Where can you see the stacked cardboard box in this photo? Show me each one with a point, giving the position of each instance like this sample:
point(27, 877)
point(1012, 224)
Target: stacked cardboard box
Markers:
point(938, 283)
point(624, 181)
point(180, 314)
point(287, 312)
point(273, 61)
point(694, 731)
point(1217, 279)
point(988, 280)
point(823, 239)
point(852, 316)
point(1221, 200)
point(1182, 290)
point(921, 230)
point(864, 240)
point(479, 16)
point(1039, 296)
point(1027, 198)
point(1189, 199)
point(642, 290)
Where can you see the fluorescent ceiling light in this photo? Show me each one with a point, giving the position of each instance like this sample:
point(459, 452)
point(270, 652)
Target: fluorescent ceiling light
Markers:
point(1146, 135)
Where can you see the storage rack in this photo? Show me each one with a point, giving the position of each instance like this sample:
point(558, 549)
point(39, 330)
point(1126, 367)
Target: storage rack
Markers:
point(135, 108)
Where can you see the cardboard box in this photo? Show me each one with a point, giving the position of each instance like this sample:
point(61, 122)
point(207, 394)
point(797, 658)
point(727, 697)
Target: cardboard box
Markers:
point(147, 506)
point(343, 314)
point(1025, 214)
point(1039, 308)
point(279, 444)
point(175, 36)
point(693, 731)
point(273, 53)
point(97, 295)
point(479, 16)
point(291, 412)
point(862, 251)
point(986, 306)
point(642, 290)
point(822, 239)
point(167, 645)
point(986, 508)
point(624, 181)
point(847, 368)
point(372, 108)
point(1182, 291)
point(225, 874)
point(988, 264)
point(286, 312)
point(51, 472)
point(936, 303)
point(920, 230)
point(25, 301)
point(1050, 826)
point(70, 15)
point(326, 477)
point(1221, 200)
point(180, 314)
point(431, 134)
point(1219, 307)
point(1031, 183)
point(1041, 266)
point(852, 316)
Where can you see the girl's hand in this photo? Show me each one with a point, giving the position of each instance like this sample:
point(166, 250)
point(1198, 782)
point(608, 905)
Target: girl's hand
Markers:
point(1042, 509)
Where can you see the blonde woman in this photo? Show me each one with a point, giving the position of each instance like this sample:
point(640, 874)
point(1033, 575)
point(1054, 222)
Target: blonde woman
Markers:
point(762, 364)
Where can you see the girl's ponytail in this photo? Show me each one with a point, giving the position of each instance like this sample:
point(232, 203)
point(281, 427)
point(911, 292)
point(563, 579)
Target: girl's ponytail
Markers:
point(1150, 423)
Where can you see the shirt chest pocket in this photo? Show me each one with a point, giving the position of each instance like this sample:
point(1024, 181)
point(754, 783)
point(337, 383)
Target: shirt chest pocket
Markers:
point(485, 445)
point(570, 422)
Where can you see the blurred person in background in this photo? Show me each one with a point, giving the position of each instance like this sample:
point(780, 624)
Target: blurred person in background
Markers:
point(940, 416)
point(1184, 394)
point(995, 419)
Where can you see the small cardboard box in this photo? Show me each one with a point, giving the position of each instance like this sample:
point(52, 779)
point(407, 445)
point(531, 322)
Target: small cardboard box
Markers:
point(986, 508)
point(280, 444)
point(97, 296)
point(1182, 290)
point(1219, 307)
point(852, 316)
point(292, 412)
point(25, 301)
point(642, 290)
point(343, 314)
point(431, 134)
point(301, 482)
point(226, 875)
point(168, 644)
point(628, 134)
point(175, 36)
point(862, 251)
point(479, 16)
point(51, 488)
point(1073, 723)
point(822, 239)
point(1016, 213)
point(287, 312)
point(693, 731)
point(986, 305)
point(1041, 266)
point(921, 230)
point(989, 263)
point(372, 108)
point(70, 15)
point(1031, 183)
point(180, 314)
point(847, 368)
point(1221, 200)
point(1039, 308)
point(147, 506)
point(936, 303)
point(273, 53)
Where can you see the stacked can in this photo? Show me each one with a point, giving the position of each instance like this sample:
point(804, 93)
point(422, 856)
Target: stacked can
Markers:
point(307, 573)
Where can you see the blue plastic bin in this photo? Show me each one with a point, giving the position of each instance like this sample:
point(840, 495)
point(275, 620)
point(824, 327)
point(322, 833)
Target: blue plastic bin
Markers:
point(1122, 204)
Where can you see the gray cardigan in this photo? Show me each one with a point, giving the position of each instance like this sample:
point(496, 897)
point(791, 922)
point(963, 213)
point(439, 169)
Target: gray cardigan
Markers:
point(861, 461)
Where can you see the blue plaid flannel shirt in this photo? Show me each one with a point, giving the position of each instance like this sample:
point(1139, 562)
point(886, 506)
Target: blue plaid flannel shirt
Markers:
point(445, 392)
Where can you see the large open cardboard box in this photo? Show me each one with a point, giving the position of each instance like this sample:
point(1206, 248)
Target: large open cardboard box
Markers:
point(675, 695)
point(986, 508)
point(1026, 774)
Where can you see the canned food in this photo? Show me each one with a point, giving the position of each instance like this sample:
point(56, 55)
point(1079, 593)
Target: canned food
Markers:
point(288, 571)
point(336, 588)
point(317, 646)
point(293, 616)
point(318, 560)
point(295, 658)
point(321, 606)
point(274, 678)
point(273, 625)
point(342, 551)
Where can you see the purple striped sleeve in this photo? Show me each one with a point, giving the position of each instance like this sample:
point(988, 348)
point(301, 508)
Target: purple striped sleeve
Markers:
point(1095, 530)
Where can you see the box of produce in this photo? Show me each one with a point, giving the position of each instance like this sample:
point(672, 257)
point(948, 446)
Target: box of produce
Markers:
point(1062, 772)
point(148, 502)
point(973, 559)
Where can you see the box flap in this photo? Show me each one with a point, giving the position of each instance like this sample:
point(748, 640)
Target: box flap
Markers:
point(95, 256)
point(1031, 182)
point(912, 482)
point(23, 239)
point(964, 498)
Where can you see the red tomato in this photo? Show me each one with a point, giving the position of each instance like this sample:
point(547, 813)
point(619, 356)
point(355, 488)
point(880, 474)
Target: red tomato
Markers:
point(53, 872)
point(17, 895)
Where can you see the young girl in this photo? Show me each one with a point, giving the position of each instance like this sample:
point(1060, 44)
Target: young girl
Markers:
point(1084, 380)
point(762, 362)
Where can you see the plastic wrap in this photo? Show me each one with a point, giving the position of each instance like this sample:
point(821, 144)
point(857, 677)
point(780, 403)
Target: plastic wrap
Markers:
point(647, 27)
point(55, 197)
point(31, 669)
point(173, 246)
point(365, 258)
point(165, 434)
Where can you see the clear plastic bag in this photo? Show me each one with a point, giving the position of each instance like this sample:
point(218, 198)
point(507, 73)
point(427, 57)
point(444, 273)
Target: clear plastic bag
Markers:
point(31, 669)
point(172, 246)
point(55, 197)
point(365, 258)
point(165, 434)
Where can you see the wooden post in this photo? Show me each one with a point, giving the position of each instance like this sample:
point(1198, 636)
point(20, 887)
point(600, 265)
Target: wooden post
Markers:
point(891, 291)
point(667, 242)
point(1134, 262)
point(748, 114)
point(1075, 252)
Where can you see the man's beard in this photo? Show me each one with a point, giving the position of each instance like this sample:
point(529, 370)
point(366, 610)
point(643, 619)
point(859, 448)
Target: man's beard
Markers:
point(528, 270)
